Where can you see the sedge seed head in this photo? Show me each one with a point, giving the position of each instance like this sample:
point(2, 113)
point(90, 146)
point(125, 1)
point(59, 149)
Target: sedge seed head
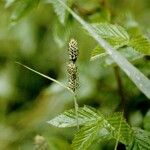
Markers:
point(73, 50)
point(72, 76)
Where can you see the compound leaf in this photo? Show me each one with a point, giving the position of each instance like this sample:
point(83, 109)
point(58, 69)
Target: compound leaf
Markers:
point(141, 44)
point(69, 118)
point(140, 141)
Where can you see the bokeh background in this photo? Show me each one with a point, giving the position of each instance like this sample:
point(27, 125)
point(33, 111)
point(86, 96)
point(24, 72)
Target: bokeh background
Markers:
point(37, 39)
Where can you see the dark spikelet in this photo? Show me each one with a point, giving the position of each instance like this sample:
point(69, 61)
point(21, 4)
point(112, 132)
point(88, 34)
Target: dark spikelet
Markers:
point(72, 76)
point(73, 50)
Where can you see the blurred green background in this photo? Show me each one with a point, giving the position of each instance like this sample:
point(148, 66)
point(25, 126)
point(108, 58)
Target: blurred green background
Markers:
point(37, 39)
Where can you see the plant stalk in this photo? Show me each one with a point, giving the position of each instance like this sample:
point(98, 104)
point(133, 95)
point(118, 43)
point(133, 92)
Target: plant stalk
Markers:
point(76, 110)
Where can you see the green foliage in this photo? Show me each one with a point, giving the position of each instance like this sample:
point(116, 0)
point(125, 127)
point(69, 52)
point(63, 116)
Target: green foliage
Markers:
point(61, 33)
point(22, 8)
point(98, 126)
point(141, 44)
point(68, 118)
point(8, 3)
point(95, 125)
point(28, 100)
point(59, 10)
point(84, 138)
point(120, 128)
point(140, 141)
point(128, 52)
point(114, 34)
point(118, 37)
point(141, 81)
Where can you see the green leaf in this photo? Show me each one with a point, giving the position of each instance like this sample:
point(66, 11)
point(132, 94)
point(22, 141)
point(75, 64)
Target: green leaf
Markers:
point(23, 7)
point(114, 34)
point(120, 128)
point(128, 52)
point(59, 10)
point(68, 118)
point(140, 141)
point(98, 51)
point(95, 125)
point(84, 138)
point(140, 44)
point(139, 79)
point(103, 128)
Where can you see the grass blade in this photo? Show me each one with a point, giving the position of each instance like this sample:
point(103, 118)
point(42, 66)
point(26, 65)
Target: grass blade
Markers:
point(47, 77)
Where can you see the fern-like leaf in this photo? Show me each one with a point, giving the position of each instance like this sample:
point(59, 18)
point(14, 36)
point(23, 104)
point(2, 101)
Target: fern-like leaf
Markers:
point(68, 118)
point(140, 140)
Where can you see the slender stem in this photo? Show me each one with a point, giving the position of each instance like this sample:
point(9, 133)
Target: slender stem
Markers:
point(76, 110)
point(120, 87)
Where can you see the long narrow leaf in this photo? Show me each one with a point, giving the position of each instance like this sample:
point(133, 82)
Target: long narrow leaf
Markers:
point(139, 79)
point(43, 75)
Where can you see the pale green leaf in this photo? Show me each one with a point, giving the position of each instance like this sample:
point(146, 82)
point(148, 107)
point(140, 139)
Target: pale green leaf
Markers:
point(98, 51)
point(139, 79)
point(128, 52)
point(140, 44)
point(140, 140)
point(68, 118)
point(114, 34)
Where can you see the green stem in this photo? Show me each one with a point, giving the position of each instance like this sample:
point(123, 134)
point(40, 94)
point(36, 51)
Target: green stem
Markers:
point(76, 110)
point(120, 87)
